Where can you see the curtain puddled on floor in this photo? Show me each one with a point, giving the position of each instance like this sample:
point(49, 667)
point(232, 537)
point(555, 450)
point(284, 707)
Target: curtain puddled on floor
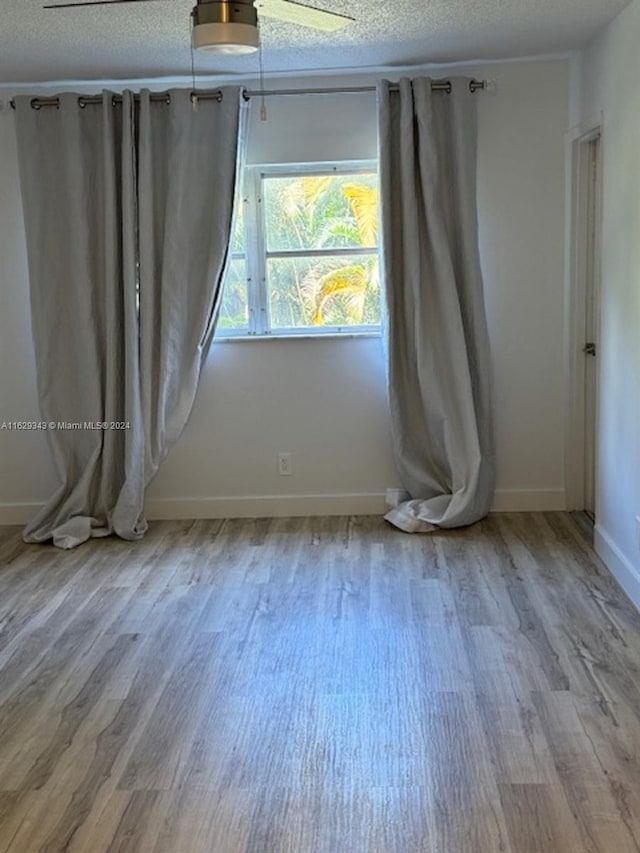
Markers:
point(436, 330)
point(128, 207)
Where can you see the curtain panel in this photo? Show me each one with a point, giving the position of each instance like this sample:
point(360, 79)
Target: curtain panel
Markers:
point(128, 208)
point(435, 332)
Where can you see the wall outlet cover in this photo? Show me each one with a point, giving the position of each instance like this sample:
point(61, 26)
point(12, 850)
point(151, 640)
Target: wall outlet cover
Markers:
point(285, 466)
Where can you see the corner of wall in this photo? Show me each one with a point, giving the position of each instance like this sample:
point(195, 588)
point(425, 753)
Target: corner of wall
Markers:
point(575, 89)
point(619, 566)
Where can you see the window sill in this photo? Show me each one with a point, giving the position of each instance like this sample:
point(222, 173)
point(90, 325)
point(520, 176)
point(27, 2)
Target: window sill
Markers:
point(283, 336)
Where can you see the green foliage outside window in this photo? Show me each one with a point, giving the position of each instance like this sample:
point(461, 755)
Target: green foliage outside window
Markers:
point(316, 229)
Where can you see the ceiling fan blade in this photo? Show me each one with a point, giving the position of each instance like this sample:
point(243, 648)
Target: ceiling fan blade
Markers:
point(305, 16)
point(93, 3)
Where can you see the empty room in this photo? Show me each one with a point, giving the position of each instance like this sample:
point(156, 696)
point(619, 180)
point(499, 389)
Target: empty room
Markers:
point(319, 447)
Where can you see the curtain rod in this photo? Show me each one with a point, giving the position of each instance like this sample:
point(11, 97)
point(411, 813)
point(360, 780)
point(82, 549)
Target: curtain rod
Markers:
point(436, 86)
point(84, 100)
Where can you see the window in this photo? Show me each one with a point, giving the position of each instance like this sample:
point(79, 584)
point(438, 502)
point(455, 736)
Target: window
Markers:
point(304, 254)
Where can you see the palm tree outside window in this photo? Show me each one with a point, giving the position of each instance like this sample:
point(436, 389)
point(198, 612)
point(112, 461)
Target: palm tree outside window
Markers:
point(305, 252)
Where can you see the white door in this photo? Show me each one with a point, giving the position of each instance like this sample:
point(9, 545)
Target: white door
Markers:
point(591, 346)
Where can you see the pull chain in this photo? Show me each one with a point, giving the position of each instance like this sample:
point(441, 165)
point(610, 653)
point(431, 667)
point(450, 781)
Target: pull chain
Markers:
point(194, 96)
point(263, 104)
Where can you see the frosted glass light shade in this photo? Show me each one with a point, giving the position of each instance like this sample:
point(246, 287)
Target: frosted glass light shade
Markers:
point(225, 37)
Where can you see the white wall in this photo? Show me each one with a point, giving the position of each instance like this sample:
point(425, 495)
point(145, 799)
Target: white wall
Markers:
point(324, 400)
point(26, 473)
point(610, 85)
point(521, 205)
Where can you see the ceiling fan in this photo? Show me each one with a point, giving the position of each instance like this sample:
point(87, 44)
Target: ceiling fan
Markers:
point(231, 26)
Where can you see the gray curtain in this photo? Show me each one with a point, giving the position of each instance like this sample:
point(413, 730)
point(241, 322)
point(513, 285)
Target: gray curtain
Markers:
point(128, 209)
point(436, 331)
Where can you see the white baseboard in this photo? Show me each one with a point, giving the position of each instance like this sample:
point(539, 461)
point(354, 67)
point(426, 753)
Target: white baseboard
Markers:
point(529, 500)
point(273, 506)
point(17, 513)
point(266, 506)
point(620, 567)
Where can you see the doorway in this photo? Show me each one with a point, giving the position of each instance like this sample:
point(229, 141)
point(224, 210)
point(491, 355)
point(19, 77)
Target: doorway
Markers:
point(584, 321)
point(591, 348)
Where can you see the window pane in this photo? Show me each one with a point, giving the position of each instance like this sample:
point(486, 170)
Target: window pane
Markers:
point(234, 310)
point(321, 212)
point(338, 291)
point(237, 239)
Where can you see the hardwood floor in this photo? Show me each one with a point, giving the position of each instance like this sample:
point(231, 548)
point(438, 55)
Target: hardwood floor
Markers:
point(319, 686)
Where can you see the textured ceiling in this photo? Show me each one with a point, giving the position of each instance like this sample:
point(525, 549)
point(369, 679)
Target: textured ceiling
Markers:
point(151, 39)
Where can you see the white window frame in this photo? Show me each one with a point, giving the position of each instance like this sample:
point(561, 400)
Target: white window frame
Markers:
point(256, 255)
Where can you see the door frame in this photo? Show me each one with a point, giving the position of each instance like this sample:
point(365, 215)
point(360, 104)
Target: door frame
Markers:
point(578, 142)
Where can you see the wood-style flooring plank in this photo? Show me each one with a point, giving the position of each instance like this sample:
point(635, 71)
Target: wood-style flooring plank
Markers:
point(539, 818)
point(318, 685)
point(200, 821)
point(600, 775)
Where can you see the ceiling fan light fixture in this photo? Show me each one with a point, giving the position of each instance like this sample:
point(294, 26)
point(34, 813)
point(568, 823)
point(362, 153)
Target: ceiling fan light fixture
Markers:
point(225, 38)
point(223, 26)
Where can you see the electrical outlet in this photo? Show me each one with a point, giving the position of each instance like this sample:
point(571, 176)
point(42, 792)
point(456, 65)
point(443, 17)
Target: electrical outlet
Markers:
point(285, 467)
